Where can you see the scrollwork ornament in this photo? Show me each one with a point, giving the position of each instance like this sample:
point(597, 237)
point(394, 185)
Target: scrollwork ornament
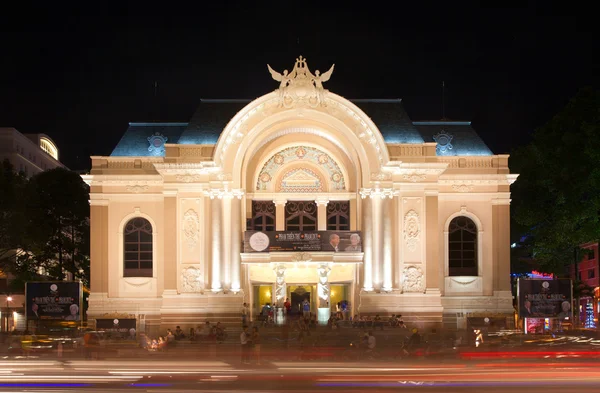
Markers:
point(412, 230)
point(191, 228)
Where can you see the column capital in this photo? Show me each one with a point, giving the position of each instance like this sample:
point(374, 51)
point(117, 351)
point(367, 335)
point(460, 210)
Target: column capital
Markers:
point(280, 201)
point(378, 193)
point(224, 193)
point(322, 201)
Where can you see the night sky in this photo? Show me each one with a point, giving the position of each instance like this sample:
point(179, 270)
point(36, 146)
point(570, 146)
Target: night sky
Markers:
point(81, 74)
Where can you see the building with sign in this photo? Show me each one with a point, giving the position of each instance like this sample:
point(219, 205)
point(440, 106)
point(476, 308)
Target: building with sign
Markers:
point(300, 194)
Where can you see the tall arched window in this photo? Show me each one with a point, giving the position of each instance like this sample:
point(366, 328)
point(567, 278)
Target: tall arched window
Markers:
point(462, 247)
point(137, 248)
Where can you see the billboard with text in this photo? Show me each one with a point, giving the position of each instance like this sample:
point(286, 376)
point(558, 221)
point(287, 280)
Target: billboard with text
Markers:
point(332, 241)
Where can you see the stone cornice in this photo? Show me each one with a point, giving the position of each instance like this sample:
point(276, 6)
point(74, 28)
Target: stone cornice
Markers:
point(187, 169)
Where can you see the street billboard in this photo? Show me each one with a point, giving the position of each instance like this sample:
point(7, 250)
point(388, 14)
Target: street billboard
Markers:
point(117, 326)
point(53, 300)
point(545, 298)
point(333, 241)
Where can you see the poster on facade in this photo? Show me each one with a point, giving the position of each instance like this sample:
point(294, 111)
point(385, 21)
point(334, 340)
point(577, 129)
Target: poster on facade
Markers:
point(332, 241)
point(53, 300)
point(117, 327)
point(544, 298)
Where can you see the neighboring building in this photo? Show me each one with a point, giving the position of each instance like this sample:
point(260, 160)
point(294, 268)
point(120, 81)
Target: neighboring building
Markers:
point(587, 271)
point(28, 153)
point(174, 207)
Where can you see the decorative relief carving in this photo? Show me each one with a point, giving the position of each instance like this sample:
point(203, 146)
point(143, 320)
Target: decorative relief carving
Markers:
point(157, 144)
point(226, 192)
point(381, 176)
point(414, 177)
point(377, 192)
point(189, 178)
point(323, 286)
point(301, 87)
point(192, 280)
point(443, 140)
point(191, 228)
point(463, 283)
point(413, 280)
point(463, 187)
point(136, 188)
point(301, 257)
point(300, 180)
point(301, 153)
point(280, 285)
point(412, 229)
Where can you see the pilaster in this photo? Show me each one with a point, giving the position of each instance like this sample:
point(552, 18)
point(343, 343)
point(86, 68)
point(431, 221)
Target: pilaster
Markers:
point(280, 214)
point(433, 275)
point(322, 214)
point(170, 242)
point(99, 246)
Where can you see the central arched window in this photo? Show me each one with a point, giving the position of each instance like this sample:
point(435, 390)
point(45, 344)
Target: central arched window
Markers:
point(300, 216)
point(137, 248)
point(462, 247)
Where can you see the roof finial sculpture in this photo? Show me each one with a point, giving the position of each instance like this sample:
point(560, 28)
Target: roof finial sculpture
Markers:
point(301, 87)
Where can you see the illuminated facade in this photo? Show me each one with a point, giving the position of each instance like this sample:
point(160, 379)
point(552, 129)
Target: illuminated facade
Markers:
point(28, 153)
point(173, 207)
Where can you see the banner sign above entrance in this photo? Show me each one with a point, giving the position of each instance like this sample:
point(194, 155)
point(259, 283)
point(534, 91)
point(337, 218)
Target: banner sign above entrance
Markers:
point(332, 241)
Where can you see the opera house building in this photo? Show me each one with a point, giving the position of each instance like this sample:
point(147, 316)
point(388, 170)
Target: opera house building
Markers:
point(300, 194)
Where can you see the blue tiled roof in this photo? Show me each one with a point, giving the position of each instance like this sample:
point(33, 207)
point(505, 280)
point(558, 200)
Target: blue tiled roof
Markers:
point(391, 119)
point(135, 140)
point(212, 116)
point(464, 141)
point(209, 120)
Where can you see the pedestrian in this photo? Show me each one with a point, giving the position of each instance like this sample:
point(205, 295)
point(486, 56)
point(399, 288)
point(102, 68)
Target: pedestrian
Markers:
point(256, 344)
point(245, 313)
point(245, 341)
point(306, 309)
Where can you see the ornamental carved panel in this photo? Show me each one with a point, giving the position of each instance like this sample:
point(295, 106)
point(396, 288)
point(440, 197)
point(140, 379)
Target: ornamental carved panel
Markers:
point(192, 280)
point(412, 229)
point(191, 228)
point(413, 279)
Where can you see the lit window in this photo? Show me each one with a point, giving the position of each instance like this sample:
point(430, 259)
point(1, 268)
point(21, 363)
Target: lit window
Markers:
point(49, 147)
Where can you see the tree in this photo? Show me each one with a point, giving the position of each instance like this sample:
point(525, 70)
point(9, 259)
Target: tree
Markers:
point(58, 223)
point(12, 220)
point(557, 195)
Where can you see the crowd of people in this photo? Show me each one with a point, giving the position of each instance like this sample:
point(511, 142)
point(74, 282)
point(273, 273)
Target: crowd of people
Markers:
point(209, 333)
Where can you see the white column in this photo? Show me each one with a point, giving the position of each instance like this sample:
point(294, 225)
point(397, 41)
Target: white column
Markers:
point(216, 244)
point(367, 228)
point(236, 242)
point(323, 290)
point(377, 245)
point(387, 245)
point(280, 285)
point(322, 214)
point(226, 241)
point(280, 214)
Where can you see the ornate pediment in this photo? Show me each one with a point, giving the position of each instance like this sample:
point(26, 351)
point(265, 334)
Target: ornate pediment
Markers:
point(300, 87)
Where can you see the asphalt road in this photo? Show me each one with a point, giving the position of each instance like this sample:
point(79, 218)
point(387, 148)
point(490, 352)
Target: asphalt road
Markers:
point(499, 375)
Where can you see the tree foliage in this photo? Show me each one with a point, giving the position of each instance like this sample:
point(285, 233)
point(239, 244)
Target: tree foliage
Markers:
point(557, 194)
point(49, 224)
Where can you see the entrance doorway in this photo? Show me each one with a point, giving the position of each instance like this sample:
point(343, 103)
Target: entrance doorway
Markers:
point(297, 295)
